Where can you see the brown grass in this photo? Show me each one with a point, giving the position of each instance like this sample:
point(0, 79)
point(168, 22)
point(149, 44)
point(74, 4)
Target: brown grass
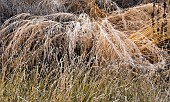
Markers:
point(133, 19)
point(82, 57)
point(37, 37)
point(25, 36)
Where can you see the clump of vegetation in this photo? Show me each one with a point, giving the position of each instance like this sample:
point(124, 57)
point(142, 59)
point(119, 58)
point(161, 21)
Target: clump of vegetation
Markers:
point(69, 51)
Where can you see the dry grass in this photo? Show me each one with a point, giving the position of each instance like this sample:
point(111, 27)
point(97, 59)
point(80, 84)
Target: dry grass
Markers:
point(132, 19)
point(110, 83)
point(156, 37)
point(53, 55)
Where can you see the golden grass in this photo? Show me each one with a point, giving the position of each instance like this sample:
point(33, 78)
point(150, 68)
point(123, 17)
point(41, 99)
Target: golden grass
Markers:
point(156, 37)
point(25, 36)
point(83, 57)
point(95, 12)
point(133, 19)
point(40, 40)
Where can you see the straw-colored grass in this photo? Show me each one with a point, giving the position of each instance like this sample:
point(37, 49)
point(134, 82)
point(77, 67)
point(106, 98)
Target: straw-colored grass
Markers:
point(53, 54)
point(155, 37)
point(132, 19)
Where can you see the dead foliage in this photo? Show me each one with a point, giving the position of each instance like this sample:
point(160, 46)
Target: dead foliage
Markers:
point(44, 38)
point(132, 19)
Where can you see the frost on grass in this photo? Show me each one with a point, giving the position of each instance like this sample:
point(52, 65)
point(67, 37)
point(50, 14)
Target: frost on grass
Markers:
point(83, 56)
point(48, 34)
point(46, 40)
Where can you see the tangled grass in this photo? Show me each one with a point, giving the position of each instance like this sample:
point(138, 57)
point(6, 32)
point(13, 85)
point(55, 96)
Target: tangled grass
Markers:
point(48, 54)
